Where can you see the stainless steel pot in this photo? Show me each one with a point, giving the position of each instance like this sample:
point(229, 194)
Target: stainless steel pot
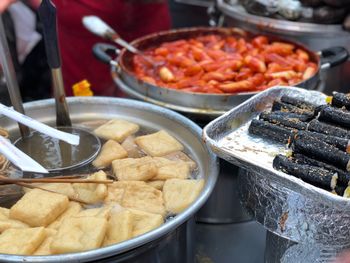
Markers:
point(172, 241)
point(314, 36)
point(196, 104)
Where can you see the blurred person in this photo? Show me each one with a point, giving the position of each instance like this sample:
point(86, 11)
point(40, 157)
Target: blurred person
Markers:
point(26, 48)
point(129, 18)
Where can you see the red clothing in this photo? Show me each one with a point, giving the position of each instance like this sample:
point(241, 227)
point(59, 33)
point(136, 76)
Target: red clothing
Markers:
point(130, 19)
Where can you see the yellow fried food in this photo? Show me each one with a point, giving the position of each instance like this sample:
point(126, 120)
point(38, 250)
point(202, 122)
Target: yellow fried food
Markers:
point(92, 193)
point(181, 156)
point(61, 188)
point(78, 234)
point(158, 184)
point(6, 222)
point(44, 248)
point(110, 151)
point(116, 130)
point(179, 194)
point(39, 207)
point(144, 222)
point(100, 212)
point(171, 169)
point(132, 169)
point(132, 148)
point(72, 209)
point(119, 227)
point(21, 241)
point(143, 197)
point(159, 143)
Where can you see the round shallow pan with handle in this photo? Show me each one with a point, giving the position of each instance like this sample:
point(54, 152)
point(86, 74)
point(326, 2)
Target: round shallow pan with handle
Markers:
point(170, 242)
point(196, 103)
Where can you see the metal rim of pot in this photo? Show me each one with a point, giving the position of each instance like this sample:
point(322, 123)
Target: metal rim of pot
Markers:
point(189, 102)
point(157, 233)
point(277, 25)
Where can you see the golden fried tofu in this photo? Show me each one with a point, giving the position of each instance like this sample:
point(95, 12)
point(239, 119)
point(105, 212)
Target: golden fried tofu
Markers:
point(132, 169)
point(39, 207)
point(4, 212)
point(72, 209)
point(144, 222)
point(61, 188)
point(114, 195)
point(6, 223)
point(79, 234)
point(119, 228)
point(21, 241)
point(44, 248)
point(181, 156)
point(159, 143)
point(158, 184)
point(110, 151)
point(143, 197)
point(171, 169)
point(92, 193)
point(116, 130)
point(132, 148)
point(179, 194)
point(100, 212)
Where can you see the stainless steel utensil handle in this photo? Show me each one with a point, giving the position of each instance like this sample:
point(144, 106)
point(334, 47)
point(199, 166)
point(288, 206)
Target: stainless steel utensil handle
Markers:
point(47, 14)
point(11, 80)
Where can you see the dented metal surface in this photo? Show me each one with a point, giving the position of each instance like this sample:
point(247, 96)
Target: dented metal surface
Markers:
point(284, 204)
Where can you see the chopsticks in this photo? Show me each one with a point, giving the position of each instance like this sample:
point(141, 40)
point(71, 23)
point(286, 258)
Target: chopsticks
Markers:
point(27, 182)
point(51, 180)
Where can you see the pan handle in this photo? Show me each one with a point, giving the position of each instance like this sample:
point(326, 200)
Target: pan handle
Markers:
point(102, 52)
point(334, 56)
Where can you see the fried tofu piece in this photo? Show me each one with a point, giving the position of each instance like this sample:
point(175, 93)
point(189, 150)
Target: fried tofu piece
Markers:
point(181, 156)
point(143, 197)
point(179, 194)
point(4, 213)
point(73, 209)
point(6, 222)
point(79, 234)
point(144, 222)
point(39, 207)
point(110, 151)
point(138, 169)
point(158, 144)
point(99, 212)
point(158, 184)
point(21, 241)
point(171, 169)
point(119, 228)
point(116, 130)
point(133, 150)
point(92, 193)
point(61, 188)
point(114, 195)
point(44, 248)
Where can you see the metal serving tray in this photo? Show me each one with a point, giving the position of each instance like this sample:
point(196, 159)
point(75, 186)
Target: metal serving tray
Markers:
point(284, 204)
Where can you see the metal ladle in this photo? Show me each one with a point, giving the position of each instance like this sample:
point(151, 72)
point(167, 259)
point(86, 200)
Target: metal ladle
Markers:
point(98, 27)
point(53, 154)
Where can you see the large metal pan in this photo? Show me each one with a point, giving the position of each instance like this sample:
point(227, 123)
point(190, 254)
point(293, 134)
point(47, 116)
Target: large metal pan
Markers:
point(171, 242)
point(209, 105)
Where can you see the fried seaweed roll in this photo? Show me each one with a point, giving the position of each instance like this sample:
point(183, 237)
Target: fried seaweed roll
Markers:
point(328, 129)
point(298, 103)
point(280, 106)
point(270, 131)
point(340, 100)
point(340, 143)
point(343, 177)
point(286, 119)
point(311, 174)
point(334, 115)
point(320, 150)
